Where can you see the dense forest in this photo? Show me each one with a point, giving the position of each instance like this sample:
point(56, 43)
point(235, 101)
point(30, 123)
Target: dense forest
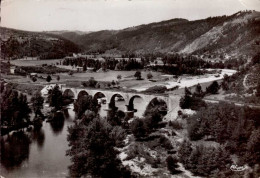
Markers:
point(234, 128)
point(14, 109)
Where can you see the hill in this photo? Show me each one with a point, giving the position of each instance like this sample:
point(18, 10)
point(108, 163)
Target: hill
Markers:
point(18, 43)
point(237, 34)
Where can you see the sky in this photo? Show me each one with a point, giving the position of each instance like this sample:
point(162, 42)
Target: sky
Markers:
point(94, 15)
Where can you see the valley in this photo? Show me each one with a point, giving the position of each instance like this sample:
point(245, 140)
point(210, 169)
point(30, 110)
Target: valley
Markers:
point(176, 98)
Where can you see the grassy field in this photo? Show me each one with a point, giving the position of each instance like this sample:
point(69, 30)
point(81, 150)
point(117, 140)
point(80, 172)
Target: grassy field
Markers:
point(108, 76)
point(127, 81)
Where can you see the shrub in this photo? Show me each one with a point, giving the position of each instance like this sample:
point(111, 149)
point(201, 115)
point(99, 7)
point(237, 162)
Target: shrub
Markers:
point(191, 102)
point(118, 134)
point(34, 79)
point(113, 83)
point(213, 88)
point(137, 150)
point(48, 79)
point(156, 89)
point(119, 77)
point(90, 83)
point(138, 128)
point(175, 125)
point(70, 73)
point(44, 69)
point(138, 75)
point(172, 164)
point(256, 59)
point(165, 142)
point(149, 76)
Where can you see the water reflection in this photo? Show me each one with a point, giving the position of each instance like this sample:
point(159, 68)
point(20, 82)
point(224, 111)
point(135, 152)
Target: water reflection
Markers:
point(38, 136)
point(57, 123)
point(34, 154)
point(66, 114)
point(69, 113)
point(14, 149)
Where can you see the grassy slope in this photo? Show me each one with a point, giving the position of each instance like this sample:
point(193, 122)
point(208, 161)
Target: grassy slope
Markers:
point(235, 34)
point(17, 43)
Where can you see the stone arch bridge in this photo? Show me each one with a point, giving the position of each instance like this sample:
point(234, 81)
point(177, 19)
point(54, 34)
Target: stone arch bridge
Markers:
point(172, 101)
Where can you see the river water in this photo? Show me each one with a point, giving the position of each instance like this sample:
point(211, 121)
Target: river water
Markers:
point(42, 153)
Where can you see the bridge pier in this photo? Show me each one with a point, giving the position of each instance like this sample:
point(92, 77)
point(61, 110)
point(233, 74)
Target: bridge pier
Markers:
point(110, 107)
point(129, 111)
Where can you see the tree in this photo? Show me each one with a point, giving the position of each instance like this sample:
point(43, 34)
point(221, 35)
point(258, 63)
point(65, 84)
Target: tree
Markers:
point(92, 82)
point(191, 102)
point(257, 94)
point(24, 110)
point(154, 115)
point(70, 73)
point(213, 88)
point(156, 89)
point(115, 117)
point(184, 151)
point(138, 128)
point(253, 147)
point(14, 107)
point(37, 103)
point(34, 79)
point(198, 91)
point(113, 83)
point(119, 77)
point(84, 67)
point(187, 91)
point(256, 59)
point(172, 164)
point(138, 75)
point(58, 78)
point(92, 150)
point(149, 76)
point(55, 97)
point(226, 78)
point(185, 101)
point(225, 85)
point(48, 79)
point(84, 103)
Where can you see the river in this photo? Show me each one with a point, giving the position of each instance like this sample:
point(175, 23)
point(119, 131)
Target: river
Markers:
point(42, 153)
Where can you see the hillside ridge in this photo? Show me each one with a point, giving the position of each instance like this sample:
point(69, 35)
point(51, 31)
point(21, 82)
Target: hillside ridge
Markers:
point(233, 35)
point(237, 34)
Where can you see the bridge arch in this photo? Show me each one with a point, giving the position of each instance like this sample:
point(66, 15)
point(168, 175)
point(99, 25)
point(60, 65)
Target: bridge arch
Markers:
point(68, 93)
point(131, 102)
point(82, 93)
point(114, 98)
point(98, 95)
point(157, 102)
